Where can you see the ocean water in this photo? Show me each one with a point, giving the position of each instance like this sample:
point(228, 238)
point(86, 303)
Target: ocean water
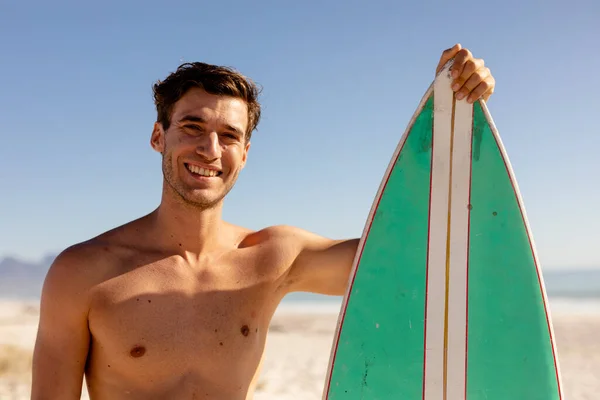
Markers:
point(575, 306)
point(313, 303)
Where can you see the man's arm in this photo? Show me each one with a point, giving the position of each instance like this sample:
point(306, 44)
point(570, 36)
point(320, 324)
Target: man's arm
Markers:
point(63, 338)
point(322, 265)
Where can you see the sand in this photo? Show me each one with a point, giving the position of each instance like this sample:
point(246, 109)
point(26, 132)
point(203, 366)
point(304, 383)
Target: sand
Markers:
point(298, 351)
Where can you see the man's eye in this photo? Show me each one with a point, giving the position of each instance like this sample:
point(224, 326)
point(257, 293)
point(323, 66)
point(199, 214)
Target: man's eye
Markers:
point(193, 130)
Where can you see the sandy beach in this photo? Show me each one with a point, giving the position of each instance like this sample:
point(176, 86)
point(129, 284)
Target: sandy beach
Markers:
point(298, 351)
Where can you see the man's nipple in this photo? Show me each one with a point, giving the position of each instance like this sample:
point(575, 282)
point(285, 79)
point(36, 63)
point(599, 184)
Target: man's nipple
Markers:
point(137, 351)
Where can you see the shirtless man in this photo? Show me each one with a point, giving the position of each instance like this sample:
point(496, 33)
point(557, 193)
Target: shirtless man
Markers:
point(177, 304)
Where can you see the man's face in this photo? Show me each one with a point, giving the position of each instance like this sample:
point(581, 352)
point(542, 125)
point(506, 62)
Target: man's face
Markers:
point(204, 148)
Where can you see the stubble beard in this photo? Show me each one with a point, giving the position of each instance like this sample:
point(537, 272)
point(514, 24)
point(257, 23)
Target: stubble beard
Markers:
point(185, 194)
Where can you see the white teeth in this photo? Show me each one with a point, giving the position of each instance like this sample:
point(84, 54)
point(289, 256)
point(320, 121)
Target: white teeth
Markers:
point(201, 171)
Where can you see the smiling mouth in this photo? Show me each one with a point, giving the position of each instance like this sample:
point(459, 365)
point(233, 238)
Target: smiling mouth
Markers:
point(202, 171)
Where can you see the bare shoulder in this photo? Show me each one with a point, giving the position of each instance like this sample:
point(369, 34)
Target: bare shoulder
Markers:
point(81, 266)
point(314, 263)
point(286, 235)
point(75, 262)
point(277, 247)
point(75, 270)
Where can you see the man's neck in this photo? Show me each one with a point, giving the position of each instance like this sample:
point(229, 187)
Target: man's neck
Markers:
point(187, 230)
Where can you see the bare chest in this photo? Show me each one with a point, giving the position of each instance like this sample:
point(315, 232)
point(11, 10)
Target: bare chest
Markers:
point(156, 323)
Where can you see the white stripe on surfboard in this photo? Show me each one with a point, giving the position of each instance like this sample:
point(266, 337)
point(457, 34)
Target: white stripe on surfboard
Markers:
point(445, 348)
point(459, 252)
point(438, 233)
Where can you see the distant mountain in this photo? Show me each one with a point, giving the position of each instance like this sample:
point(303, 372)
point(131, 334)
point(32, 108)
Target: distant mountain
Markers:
point(577, 283)
point(23, 279)
point(20, 279)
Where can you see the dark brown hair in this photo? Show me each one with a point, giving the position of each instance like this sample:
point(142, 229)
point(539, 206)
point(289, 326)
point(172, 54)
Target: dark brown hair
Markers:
point(213, 79)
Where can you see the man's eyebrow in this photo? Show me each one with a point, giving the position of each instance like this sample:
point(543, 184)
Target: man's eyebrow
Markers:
point(234, 129)
point(195, 118)
point(192, 118)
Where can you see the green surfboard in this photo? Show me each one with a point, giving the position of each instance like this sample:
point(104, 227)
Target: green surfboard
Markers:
point(446, 299)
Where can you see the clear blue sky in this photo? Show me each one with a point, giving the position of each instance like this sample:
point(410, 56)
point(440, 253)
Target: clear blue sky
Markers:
point(341, 80)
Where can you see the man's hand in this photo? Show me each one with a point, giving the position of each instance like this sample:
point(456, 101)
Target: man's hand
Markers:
point(472, 79)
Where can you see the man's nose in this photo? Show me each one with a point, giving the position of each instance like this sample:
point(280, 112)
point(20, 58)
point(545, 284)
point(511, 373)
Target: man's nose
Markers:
point(209, 146)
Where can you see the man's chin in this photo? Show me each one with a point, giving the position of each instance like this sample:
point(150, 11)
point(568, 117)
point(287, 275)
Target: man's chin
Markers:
point(202, 202)
point(201, 199)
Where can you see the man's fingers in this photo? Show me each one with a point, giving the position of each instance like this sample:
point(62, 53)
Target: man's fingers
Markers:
point(468, 69)
point(470, 78)
point(447, 55)
point(484, 90)
point(487, 94)
point(459, 62)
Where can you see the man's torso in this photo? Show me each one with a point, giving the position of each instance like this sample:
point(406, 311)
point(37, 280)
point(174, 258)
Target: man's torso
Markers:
point(164, 328)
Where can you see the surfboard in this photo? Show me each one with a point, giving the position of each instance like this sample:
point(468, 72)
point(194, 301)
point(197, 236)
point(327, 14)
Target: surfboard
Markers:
point(446, 299)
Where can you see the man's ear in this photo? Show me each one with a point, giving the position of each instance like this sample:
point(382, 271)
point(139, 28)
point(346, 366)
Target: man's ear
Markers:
point(245, 156)
point(157, 139)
